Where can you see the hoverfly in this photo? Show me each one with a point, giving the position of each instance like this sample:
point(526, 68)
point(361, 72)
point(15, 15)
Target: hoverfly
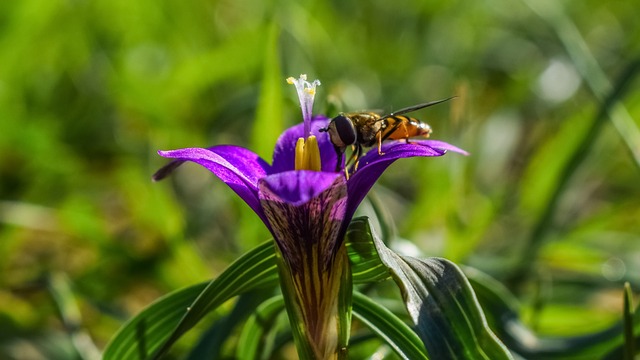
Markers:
point(365, 129)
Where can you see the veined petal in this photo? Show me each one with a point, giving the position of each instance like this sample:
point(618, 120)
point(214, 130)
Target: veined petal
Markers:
point(372, 164)
point(284, 152)
point(235, 166)
point(305, 208)
point(306, 211)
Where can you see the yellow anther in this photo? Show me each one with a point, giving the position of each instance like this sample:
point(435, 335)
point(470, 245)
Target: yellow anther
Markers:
point(312, 154)
point(300, 154)
point(307, 154)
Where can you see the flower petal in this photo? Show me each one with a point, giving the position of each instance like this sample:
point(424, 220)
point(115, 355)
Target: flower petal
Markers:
point(440, 145)
point(284, 152)
point(372, 165)
point(306, 210)
point(235, 166)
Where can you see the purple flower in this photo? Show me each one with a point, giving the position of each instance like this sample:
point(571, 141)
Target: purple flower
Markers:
point(305, 204)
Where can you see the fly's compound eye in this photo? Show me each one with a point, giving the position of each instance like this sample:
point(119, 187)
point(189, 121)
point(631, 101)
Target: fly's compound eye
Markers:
point(342, 131)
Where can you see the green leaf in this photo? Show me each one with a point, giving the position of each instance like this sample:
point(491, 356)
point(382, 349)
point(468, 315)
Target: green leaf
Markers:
point(254, 330)
point(402, 339)
point(442, 305)
point(211, 343)
point(147, 330)
point(629, 339)
point(155, 329)
point(366, 266)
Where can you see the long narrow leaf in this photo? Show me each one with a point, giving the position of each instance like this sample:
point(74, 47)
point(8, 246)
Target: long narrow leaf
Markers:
point(398, 335)
point(156, 328)
point(627, 320)
point(255, 269)
point(254, 330)
point(211, 343)
point(145, 332)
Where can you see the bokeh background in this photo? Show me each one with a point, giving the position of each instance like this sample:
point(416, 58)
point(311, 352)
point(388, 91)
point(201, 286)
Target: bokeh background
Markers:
point(548, 202)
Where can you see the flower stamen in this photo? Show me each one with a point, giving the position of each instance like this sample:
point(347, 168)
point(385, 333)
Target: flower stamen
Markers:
point(307, 155)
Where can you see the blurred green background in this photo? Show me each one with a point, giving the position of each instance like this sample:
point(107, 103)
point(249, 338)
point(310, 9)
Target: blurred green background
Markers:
point(548, 201)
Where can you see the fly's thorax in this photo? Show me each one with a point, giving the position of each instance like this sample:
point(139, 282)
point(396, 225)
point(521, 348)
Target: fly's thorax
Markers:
point(368, 125)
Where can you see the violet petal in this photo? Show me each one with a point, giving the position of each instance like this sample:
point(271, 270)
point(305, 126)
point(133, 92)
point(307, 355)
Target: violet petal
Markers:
point(305, 210)
point(441, 145)
point(237, 167)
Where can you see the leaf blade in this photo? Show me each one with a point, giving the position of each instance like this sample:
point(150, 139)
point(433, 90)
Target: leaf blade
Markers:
point(177, 312)
point(402, 339)
point(256, 326)
point(441, 303)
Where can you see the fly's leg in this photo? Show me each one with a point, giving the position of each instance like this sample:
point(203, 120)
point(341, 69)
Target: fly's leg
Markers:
point(406, 133)
point(379, 137)
point(358, 152)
